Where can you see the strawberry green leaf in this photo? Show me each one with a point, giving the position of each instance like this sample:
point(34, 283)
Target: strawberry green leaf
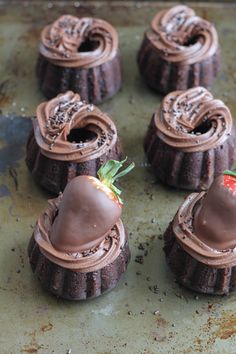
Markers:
point(124, 172)
point(108, 174)
point(229, 173)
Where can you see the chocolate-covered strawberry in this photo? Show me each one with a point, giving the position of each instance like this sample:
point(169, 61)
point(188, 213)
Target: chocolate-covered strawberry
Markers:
point(88, 210)
point(215, 218)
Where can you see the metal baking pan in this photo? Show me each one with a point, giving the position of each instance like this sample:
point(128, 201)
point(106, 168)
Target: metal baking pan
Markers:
point(147, 312)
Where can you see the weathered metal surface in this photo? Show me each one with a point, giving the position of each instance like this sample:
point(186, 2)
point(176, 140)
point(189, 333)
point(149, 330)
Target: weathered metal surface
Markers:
point(148, 312)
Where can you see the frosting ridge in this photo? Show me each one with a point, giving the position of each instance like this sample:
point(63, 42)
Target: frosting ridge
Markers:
point(64, 42)
point(57, 118)
point(193, 120)
point(181, 36)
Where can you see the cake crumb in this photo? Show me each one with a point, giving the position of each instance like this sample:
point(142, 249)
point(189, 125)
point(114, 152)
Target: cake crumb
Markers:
point(141, 246)
point(139, 259)
point(154, 289)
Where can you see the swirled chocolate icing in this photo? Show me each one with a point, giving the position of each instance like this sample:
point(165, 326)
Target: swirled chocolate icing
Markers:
point(193, 120)
point(180, 36)
point(104, 252)
point(62, 42)
point(206, 243)
point(56, 119)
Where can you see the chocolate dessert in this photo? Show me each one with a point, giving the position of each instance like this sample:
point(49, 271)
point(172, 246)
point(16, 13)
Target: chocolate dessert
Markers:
point(191, 139)
point(69, 138)
point(79, 248)
point(82, 55)
point(200, 242)
point(179, 51)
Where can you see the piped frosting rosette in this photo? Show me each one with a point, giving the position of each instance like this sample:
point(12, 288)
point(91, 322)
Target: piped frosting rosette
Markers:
point(61, 42)
point(193, 120)
point(59, 116)
point(182, 36)
point(88, 261)
point(184, 232)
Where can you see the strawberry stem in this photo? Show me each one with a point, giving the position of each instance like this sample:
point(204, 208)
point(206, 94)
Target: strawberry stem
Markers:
point(108, 174)
point(229, 173)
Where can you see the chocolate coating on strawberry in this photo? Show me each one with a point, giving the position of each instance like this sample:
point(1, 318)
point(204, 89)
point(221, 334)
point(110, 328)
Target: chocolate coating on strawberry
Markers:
point(215, 218)
point(89, 209)
point(86, 215)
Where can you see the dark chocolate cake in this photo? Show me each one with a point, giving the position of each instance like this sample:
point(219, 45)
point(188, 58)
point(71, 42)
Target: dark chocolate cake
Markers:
point(82, 55)
point(179, 51)
point(191, 139)
point(69, 138)
point(200, 242)
point(79, 248)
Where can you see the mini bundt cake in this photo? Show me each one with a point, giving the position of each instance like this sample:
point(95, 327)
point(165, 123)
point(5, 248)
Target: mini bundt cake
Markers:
point(179, 51)
point(82, 55)
point(79, 248)
point(191, 139)
point(69, 138)
point(200, 242)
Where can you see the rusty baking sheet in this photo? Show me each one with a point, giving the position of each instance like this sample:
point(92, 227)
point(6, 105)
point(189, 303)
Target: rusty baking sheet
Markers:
point(147, 312)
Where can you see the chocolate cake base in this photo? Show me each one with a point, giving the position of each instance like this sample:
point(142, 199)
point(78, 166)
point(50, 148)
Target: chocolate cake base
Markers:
point(53, 175)
point(72, 285)
point(195, 275)
point(165, 76)
point(94, 85)
point(188, 170)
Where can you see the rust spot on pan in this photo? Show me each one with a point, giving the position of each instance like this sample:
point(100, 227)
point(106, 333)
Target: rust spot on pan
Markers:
point(31, 348)
point(217, 328)
point(227, 326)
point(47, 327)
point(161, 322)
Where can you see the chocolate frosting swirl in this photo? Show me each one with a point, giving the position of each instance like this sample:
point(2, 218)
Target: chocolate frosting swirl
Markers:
point(193, 120)
point(88, 261)
point(180, 36)
point(185, 235)
point(62, 42)
point(59, 116)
